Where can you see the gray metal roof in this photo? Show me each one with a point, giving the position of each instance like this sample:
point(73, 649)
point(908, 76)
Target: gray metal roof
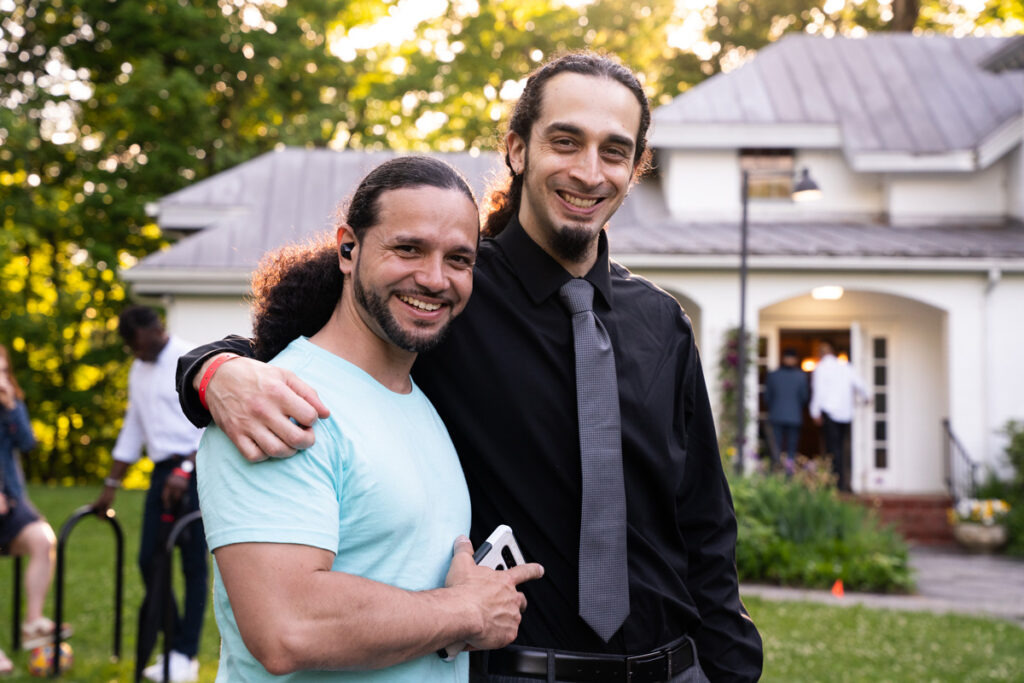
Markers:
point(275, 199)
point(1009, 56)
point(285, 196)
point(862, 241)
point(887, 92)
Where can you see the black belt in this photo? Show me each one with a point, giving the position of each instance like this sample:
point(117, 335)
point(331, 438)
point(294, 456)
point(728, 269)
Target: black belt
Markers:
point(653, 667)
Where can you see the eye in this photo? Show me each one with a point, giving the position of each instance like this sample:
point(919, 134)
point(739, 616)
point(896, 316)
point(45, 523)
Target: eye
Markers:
point(461, 261)
point(615, 153)
point(406, 249)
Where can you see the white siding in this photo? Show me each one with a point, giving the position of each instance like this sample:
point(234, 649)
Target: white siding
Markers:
point(704, 185)
point(949, 197)
point(205, 319)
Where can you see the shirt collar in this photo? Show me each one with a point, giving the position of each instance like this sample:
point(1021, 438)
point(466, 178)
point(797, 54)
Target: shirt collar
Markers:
point(540, 274)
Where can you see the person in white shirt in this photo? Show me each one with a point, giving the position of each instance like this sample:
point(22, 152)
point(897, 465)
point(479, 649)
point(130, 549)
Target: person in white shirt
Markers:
point(834, 389)
point(154, 420)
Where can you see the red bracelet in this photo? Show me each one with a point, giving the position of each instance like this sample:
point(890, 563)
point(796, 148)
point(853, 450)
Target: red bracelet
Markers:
point(181, 473)
point(208, 375)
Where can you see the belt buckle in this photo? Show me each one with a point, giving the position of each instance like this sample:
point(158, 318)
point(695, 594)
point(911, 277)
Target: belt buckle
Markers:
point(650, 658)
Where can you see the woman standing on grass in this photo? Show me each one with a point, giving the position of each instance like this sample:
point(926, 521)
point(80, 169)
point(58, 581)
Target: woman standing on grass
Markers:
point(22, 530)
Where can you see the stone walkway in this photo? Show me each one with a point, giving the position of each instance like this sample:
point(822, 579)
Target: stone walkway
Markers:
point(947, 581)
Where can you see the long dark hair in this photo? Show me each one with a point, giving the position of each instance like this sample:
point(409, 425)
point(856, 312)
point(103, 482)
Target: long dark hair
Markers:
point(504, 197)
point(296, 288)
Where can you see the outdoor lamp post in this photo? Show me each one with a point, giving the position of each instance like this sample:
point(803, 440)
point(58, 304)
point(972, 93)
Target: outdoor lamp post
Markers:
point(804, 189)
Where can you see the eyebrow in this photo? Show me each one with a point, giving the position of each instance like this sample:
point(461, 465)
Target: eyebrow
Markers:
point(419, 241)
point(573, 129)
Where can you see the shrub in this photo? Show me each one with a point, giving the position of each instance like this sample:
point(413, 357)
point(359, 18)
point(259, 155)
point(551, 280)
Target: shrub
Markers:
point(791, 534)
point(1011, 490)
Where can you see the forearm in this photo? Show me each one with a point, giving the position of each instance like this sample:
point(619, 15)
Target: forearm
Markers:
point(190, 371)
point(314, 618)
point(364, 625)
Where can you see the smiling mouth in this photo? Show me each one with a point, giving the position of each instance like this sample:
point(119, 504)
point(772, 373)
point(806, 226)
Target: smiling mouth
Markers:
point(418, 303)
point(578, 202)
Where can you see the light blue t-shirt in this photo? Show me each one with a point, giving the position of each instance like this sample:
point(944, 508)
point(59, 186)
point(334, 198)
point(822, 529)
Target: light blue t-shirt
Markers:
point(381, 488)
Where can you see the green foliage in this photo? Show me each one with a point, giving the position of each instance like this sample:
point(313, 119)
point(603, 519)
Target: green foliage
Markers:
point(739, 27)
point(89, 590)
point(805, 641)
point(795, 535)
point(1012, 489)
point(106, 106)
point(728, 388)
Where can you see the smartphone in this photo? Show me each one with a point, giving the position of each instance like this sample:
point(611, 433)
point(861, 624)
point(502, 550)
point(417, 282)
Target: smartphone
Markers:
point(499, 552)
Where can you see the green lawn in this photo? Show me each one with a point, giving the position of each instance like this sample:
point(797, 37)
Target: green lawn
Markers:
point(803, 641)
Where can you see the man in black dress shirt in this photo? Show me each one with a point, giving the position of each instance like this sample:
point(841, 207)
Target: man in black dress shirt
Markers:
point(504, 382)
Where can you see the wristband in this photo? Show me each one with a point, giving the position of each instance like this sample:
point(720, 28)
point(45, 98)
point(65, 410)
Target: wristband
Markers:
point(208, 375)
point(112, 482)
point(181, 473)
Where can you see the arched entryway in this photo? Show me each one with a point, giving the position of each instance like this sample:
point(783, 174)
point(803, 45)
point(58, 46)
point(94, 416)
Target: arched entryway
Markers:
point(898, 347)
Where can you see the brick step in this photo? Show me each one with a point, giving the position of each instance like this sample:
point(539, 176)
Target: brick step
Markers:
point(921, 519)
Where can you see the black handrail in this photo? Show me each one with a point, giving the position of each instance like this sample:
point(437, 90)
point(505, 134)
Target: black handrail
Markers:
point(65, 531)
point(168, 596)
point(962, 479)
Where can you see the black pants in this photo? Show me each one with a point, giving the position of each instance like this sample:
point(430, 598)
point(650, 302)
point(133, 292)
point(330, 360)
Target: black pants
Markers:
point(837, 444)
point(192, 543)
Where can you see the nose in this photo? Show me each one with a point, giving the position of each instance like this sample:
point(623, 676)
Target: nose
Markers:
point(587, 167)
point(431, 274)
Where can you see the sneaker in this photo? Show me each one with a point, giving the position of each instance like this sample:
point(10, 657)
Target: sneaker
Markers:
point(40, 632)
point(183, 669)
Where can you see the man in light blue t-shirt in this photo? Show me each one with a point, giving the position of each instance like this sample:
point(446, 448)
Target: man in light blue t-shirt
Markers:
point(356, 577)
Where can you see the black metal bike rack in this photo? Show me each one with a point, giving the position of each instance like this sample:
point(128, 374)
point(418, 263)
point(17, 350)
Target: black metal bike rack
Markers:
point(65, 532)
point(16, 606)
point(168, 594)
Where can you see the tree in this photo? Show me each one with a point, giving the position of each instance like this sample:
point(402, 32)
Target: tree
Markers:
point(107, 106)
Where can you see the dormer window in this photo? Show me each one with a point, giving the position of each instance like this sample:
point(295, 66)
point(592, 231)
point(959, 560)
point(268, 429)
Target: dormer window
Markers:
point(771, 172)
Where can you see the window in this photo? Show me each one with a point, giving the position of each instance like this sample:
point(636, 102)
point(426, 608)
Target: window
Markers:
point(880, 392)
point(771, 172)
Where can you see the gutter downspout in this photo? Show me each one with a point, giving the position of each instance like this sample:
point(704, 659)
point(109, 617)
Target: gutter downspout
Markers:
point(995, 276)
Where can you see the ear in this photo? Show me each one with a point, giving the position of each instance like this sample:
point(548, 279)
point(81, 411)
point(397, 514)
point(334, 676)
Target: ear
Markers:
point(345, 235)
point(516, 147)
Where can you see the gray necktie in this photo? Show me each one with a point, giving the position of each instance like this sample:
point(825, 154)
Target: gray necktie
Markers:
point(604, 585)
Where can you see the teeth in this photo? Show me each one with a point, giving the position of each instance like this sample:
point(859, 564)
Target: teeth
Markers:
point(422, 305)
point(581, 203)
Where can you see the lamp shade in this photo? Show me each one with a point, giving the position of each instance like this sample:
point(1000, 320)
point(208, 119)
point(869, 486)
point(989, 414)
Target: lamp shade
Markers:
point(805, 189)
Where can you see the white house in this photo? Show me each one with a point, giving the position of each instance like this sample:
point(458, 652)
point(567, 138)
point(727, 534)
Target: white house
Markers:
point(918, 151)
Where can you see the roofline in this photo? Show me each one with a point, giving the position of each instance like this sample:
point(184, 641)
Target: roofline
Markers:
point(198, 281)
point(729, 262)
point(1008, 57)
point(693, 136)
point(686, 135)
point(989, 150)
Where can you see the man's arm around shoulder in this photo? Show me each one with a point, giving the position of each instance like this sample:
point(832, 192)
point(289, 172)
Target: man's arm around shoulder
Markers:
point(265, 410)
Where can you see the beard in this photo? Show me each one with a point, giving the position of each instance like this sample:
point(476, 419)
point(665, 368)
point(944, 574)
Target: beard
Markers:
point(572, 242)
point(377, 307)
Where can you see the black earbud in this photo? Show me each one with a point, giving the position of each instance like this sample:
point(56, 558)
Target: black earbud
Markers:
point(346, 250)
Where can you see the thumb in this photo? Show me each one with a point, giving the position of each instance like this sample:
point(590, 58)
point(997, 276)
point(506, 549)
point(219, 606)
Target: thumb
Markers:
point(462, 546)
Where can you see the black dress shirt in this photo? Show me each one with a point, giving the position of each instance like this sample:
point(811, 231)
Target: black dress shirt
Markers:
point(504, 383)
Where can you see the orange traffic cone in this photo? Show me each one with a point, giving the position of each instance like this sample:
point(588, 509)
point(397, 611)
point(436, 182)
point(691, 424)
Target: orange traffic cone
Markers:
point(837, 588)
